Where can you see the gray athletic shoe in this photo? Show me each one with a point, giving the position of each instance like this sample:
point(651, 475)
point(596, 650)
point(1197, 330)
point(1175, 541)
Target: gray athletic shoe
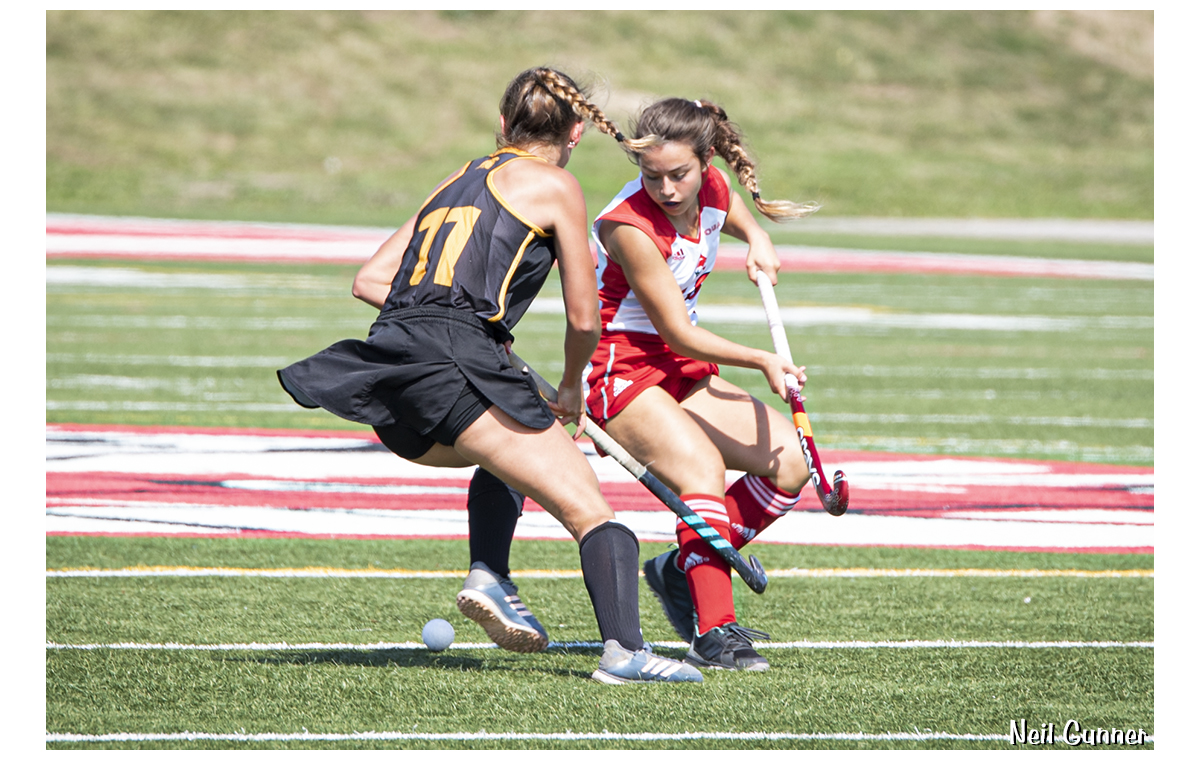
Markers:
point(618, 665)
point(669, 584)
point(491, 600)
point(727, 646)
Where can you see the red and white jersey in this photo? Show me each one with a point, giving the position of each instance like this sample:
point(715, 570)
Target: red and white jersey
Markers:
point(690, 260)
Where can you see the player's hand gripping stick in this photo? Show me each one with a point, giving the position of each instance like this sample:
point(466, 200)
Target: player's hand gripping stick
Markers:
point(752, 571)
point(835, 499)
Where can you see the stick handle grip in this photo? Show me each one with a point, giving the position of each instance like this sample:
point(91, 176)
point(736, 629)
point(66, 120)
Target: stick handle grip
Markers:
point(774, 321)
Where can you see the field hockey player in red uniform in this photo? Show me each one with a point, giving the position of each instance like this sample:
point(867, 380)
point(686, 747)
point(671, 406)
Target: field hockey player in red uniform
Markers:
point(654, 381)
point(434, 380)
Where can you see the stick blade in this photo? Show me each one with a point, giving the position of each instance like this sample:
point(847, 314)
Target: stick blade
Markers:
point(758, 580)
point(839, 499)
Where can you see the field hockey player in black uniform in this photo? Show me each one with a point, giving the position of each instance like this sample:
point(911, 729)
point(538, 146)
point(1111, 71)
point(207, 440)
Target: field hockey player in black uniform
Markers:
point(433, 379)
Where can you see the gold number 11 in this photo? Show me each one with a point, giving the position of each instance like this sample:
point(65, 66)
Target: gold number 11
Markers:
point(463, 218)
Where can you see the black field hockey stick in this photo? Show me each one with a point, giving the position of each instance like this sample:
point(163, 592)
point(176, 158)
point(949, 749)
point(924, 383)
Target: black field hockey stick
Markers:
point(752, 571)
point(835, 499)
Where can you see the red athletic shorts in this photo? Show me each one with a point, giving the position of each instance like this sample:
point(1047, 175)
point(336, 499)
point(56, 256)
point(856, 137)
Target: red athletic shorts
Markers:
point(625, 364)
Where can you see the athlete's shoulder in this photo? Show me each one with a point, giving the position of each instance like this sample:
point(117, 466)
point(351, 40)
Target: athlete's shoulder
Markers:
point(715, 191)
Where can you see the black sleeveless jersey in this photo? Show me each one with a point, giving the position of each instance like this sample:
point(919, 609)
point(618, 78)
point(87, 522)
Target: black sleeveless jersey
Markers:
point(471, 252)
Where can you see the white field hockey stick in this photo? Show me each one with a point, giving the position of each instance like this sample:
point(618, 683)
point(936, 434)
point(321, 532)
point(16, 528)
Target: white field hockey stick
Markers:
point(751, 571)
point(836, 499)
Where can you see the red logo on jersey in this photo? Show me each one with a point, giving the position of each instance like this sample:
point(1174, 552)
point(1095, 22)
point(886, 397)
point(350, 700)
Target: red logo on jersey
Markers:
point(712, 229)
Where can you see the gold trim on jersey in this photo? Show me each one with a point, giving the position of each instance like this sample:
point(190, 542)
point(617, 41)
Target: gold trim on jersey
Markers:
point(499, 199)
point(502, 299)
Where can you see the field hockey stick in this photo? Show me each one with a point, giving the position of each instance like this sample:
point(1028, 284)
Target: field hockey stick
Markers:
point(752, 571)
point(835, 499)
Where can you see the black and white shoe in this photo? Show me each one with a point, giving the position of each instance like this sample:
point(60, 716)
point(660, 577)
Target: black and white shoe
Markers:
point(669, 584)
point(728, 646)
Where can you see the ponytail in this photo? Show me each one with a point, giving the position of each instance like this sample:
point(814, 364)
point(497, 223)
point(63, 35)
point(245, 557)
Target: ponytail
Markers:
point(705, 125)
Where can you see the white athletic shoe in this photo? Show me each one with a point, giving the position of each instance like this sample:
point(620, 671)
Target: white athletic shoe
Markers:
point(491, 600)
point(618, 665)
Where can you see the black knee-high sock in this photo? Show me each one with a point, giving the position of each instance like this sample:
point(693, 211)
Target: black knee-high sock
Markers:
point(492, 511)
point(608, 556)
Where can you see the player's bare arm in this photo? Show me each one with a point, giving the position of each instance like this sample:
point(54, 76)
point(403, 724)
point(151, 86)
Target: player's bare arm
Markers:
point(373, 282)
point(659, 295)
point(741, 224)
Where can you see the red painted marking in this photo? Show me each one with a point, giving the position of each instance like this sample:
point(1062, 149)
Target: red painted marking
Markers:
point(981, 502)
point(217, 230)
point(731, 258)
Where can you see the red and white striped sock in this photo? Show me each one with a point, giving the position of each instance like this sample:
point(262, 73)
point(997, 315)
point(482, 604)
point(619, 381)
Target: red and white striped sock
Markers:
point(753, 502)
point(707, 573)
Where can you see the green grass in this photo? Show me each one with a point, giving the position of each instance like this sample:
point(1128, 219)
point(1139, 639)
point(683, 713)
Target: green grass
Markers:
point(967, 691)
point(350, 117)
point(203, 352)
point(200, 348)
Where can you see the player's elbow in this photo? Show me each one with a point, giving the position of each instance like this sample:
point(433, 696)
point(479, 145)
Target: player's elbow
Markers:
point(677, 338)
point(586, 326)
point(364, 289)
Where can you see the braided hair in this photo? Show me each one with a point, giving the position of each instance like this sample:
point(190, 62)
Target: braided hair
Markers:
point(705, 125)
point(541, 105)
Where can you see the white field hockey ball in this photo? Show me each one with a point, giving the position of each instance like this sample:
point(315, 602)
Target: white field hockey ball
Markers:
point(437, 635)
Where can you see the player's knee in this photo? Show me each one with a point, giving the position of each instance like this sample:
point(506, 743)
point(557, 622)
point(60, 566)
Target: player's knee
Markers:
point(793, 469)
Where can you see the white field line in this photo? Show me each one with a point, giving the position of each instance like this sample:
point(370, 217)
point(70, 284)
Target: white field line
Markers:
point(806, 316)
point(400, 574)
point(568, 736)
point(1112, 231)
point(416, 645)
point(273, 362)
point(857, 316)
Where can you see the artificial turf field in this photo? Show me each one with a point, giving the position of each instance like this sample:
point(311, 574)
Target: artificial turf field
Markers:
point(860, 659)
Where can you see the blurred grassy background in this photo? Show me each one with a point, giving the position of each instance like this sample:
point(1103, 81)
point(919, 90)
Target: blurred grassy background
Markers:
point(350, 117)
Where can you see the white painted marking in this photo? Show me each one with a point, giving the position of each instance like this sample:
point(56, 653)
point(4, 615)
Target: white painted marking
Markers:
point(852, 529)
point(845, 316)
point(329, 487)
point(59, 276)
point(222, 324)
point(986, 373)
point(171, 246)
point(1115, 231)
point(166, 406)
point(273, 362)
point(291, 461)
point(569, 736)
point(980, 419)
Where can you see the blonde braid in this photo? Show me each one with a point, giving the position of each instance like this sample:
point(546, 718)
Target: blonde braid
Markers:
point(728, 143)
point(562, 88)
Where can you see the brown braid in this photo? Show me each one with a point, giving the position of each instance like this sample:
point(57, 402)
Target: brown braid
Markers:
point(530, 116)
point(705, 125)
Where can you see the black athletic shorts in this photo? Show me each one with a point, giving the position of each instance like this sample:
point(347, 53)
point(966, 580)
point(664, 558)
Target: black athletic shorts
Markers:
point(405, 442)
point(414, 368)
